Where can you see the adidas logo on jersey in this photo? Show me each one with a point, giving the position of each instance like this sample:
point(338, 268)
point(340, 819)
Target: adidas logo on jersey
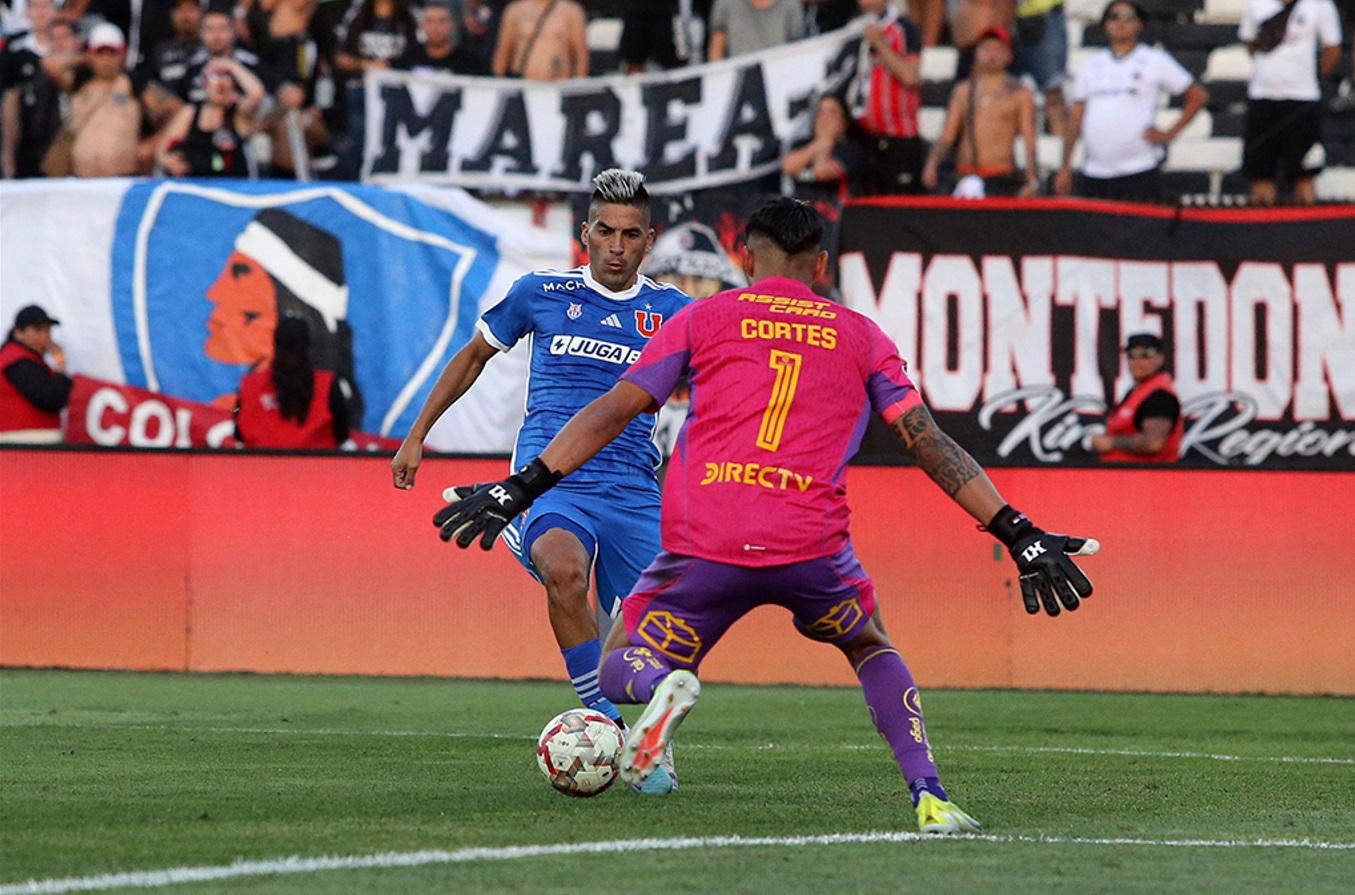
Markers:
point(612, 320)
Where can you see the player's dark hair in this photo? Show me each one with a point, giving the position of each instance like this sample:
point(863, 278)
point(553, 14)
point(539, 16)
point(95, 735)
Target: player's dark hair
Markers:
point(293, 373)
point(616, 186)
point(794, 225)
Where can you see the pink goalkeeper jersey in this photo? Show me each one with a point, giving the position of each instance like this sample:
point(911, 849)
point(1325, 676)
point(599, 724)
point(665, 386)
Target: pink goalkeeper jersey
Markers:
point(783, 383)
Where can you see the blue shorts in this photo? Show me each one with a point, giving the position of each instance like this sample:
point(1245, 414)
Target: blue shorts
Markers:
point(1044, 56)
point(618, 524)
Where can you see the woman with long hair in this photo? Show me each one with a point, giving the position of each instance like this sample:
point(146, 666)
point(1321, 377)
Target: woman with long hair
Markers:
point(291, 404)
point(207, 139)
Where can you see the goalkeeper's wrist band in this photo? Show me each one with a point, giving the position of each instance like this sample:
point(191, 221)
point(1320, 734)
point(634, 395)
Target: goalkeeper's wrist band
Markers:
point(536, 478)
point(1010, 525)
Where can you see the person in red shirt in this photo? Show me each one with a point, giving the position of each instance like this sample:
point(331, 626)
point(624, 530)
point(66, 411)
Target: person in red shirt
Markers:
point(886, 99)
point(289, 403)
point(755, 504)
point(1146, 427)
point(32, 393)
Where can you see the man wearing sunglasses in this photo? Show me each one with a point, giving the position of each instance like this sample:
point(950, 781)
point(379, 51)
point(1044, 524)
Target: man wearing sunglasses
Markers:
point(1116, 96)
point(1145, 427)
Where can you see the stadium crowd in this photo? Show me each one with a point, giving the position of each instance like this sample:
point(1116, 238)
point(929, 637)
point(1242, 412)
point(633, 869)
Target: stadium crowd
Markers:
point(185, 87)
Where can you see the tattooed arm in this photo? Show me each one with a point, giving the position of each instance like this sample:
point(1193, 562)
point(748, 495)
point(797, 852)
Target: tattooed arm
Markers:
point(948, 464)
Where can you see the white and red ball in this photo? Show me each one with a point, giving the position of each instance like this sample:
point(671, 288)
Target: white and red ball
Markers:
point(579, 752)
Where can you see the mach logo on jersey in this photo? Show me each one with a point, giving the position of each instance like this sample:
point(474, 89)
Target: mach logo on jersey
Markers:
point(581, 346)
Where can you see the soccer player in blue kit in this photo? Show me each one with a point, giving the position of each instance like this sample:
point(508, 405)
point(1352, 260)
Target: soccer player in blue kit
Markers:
point(586, 327)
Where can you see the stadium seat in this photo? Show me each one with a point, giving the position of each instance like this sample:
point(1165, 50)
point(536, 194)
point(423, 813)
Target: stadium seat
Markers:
point(1049, 153)
point(1336, 184)
point(936, 93)
point(1224, 10)
point(1187, 183)
point(1198, 35)
point(1193, 61)
point(1076, 57)
point(1230, 63)
point(1172, 10)
point(930, 121)
point(1083, 10)
point(938, 63)
point(1221, 154)
point(1227, 123)
point(1201, 127)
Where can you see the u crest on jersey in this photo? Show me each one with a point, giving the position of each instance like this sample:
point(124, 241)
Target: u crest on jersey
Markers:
point(648, 323)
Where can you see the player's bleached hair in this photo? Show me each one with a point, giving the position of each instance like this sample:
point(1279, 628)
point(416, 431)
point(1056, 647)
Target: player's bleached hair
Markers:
point(616, 186)
point(794, 225)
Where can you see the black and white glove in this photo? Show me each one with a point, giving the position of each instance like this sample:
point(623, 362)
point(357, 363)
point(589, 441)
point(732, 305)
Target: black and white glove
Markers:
point(1048, 576)
point(485, 510)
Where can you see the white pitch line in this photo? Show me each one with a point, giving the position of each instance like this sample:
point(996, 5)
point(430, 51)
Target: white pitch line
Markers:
point(943, 747)
point(152, 879)
point(1135, 753)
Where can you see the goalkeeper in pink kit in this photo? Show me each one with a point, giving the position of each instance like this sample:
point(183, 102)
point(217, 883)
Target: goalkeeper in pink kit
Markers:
point(754, 503)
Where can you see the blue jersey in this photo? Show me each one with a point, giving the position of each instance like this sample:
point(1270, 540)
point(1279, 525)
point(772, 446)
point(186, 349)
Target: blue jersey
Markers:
point(584, 336)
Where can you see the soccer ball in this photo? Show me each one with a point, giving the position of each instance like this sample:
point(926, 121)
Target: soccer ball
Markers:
point(579, 752)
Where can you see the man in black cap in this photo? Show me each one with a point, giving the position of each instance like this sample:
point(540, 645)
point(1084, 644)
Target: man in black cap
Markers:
point(32, 394)
point(1145, 427)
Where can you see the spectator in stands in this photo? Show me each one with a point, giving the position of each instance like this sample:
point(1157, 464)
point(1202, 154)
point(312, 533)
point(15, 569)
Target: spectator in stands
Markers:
point(32, 393)
point(883, 102)
point(1146, 426)
point(542, 40)
point(972, 18)
point(437, 51)
point(151, 23)
point(218, 38)
point(930, 16)
point(105, 111)
point(207, 139)
point(167, 62)
point(1116, 97)
point(1343, 102)
point(375, 34)
point(478, 35)
point(830, 156)
point(1041, 46)
point(655, 30)
point(282, 37)
point(985, 116)
point(32, 100)
point(738, 27)
point(822, 16)
point(289, 403)
point(326, 27)
point(1293, 43)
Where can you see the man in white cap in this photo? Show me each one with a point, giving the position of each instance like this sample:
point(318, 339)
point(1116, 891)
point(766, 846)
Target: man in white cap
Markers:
point(105, 110)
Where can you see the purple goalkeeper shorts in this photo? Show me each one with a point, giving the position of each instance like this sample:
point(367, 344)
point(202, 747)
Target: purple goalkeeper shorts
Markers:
point(682, 606)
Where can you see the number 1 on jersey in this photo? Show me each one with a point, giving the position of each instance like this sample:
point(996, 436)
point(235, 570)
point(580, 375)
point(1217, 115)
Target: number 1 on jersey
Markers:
point(787, 367)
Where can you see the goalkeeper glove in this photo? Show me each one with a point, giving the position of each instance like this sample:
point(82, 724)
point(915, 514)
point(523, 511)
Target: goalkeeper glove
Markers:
point(1042, 559)
point(485, 510)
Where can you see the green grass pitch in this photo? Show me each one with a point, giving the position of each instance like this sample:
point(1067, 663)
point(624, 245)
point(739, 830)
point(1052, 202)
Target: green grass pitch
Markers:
point(202, 784)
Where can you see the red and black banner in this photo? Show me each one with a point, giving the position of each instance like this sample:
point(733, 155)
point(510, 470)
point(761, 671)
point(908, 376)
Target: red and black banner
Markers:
point(1012, 316)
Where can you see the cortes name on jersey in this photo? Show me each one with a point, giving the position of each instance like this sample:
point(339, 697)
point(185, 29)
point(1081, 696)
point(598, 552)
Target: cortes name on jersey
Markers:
point(582, 346)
